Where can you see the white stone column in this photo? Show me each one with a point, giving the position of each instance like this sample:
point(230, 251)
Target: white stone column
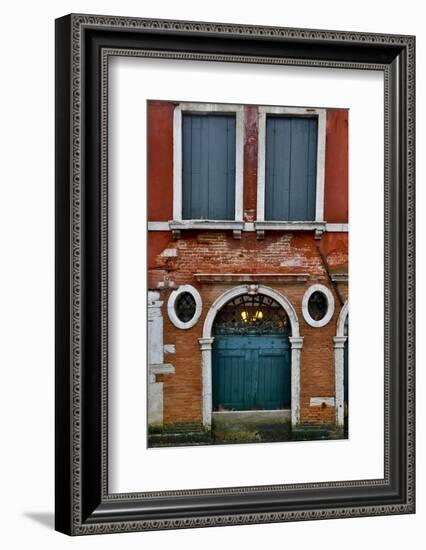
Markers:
point(206, 379)
point(296, 348)
point(155, 328)
point(339, 354)
point(156, 363)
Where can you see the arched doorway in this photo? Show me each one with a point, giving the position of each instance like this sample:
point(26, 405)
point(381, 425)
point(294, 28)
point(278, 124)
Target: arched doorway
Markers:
point(251, 355)
point(207, 341)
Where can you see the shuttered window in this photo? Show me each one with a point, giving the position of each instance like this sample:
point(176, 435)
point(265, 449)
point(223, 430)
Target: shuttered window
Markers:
point(291, 166)
point(208, 167)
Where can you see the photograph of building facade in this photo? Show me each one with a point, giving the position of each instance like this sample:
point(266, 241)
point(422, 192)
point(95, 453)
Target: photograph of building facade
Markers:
point(247, 273)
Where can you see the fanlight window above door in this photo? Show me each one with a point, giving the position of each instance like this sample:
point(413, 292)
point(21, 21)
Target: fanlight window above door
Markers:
point(251, 314)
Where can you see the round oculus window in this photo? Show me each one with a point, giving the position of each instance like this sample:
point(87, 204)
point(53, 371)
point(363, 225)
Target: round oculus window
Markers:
point(317, 305)
point(185, 307)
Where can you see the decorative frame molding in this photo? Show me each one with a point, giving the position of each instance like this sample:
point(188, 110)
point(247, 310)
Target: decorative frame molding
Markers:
point(305, 305)
point(84, 44)
point(171, 306)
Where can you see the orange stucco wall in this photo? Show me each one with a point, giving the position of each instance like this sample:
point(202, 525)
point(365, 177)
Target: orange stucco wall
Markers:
point(336, 167)
point(160, 160)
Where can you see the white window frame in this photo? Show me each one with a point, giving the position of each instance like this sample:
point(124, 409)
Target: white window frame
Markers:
point(319, 223)
point(196, 108)
point(330, 303)
point(172, 311)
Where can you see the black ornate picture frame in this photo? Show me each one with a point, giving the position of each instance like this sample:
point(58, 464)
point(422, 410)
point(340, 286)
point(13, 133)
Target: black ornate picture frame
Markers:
point(84, 43)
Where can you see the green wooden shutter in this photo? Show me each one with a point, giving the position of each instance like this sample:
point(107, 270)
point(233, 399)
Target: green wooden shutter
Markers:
point(291, 165)
point(208, 167)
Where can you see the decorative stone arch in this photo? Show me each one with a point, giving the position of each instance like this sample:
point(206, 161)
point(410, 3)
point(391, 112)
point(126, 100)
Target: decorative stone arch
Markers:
point(339, 352)
point(207, 340)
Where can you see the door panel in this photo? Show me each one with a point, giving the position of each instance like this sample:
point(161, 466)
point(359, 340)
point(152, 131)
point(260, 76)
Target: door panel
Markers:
point(251, 372)
point(233, 380)
point(273, 391)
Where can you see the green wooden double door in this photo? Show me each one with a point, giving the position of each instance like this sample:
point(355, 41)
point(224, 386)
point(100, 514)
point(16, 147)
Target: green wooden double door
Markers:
point(251, 372)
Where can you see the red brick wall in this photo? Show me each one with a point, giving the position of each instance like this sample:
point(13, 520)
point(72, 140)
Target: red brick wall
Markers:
point(218, 252)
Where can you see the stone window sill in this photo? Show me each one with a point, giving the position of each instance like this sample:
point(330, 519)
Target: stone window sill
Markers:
point(262, 226)
point(177, 226)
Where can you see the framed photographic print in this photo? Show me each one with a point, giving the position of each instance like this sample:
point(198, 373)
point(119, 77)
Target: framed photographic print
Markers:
point(221, 190)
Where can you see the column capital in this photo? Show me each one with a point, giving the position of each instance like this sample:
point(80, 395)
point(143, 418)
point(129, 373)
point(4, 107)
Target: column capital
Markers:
point(339, 341)
point(296, 342)
point(206, 343)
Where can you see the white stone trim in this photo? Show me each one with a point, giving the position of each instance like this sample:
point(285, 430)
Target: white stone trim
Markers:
point(205, 224)
point(238, 110)
point(321, 401)
point(207, 340)
point(252, 278)
point(156, 363)
point(330, 310)
point(171, 306)
point(339, 277)
point(321, 115)
point(251, 226)
point(290, 226)
point(155, 328)
point(261, 169)
point(162, 368)
point(206, 379)
point(340, 331)
point(243, 289)
point(296, 350)
point(339, 358)
point(322, 127)
point(260, 412)
point(337, 227)
point(158, 226)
